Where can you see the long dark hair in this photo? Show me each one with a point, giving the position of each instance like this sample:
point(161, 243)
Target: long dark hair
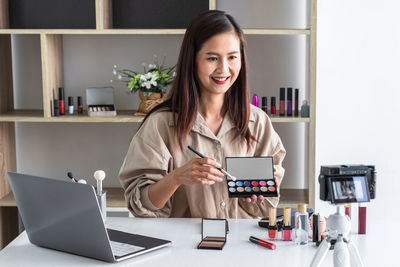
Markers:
point(184, 97)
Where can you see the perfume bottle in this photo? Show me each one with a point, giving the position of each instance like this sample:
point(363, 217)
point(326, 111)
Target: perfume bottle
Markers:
point(305, 109)
point(302, 225)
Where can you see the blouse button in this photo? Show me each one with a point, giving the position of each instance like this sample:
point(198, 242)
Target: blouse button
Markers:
point(223, 204)
point(216, 141)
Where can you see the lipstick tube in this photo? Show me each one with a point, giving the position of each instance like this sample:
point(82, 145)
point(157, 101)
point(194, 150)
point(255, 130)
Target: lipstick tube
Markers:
point(273, 106)
point(287, 228)
point(362, 219)
point(264, 104)
point(347, 210)
point(261, 242)
point(80, 106)
point(296, 102)
point(255, 100)
point(282, 102)
point(272, 228)
point(289, 102)
point(316, 237)
point(61, 100)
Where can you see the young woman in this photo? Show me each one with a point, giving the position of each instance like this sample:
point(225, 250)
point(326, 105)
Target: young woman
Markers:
point(208, 108)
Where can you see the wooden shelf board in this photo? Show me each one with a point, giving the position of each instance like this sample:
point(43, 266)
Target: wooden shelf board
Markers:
point(147, 31)
point(115, 198)
point(123, 116)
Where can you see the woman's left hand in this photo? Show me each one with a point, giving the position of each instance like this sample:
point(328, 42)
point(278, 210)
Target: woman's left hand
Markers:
point(253, 199)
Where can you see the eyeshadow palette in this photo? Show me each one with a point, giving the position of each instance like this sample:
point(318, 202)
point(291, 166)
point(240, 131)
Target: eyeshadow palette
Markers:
point(255, 176)
point(213, 233)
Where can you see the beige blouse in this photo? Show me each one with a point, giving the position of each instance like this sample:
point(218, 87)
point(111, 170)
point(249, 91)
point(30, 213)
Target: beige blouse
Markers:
point(154, 152)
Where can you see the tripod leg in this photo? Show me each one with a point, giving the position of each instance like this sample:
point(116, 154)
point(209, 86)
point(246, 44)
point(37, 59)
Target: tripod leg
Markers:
point(354, 255)
point(341, 256)
point(321, 253)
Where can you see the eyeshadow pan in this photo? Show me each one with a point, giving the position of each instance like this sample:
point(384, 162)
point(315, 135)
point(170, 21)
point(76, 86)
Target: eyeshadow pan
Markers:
point(247, 183)
point(239, 183)
point(271, 188)
point(254, 183)
point(270, 183)
point(256, 189)
point(264, 189)
point(247, 189)
point(212, 244)
point(232, 189)
point(263, 183)
point(231, 183)
point(240, 189)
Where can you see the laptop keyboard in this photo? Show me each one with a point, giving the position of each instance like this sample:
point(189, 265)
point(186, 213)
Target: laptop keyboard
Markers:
point(121, 249)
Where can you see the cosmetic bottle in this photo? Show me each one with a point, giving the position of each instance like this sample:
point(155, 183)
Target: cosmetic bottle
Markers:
point(273, 106)
point(289, 102)
point(302, 225)
point(80, 106)
point(316, 237)
point(255, 100)
point(305, 109)
point(264, 104)
point(70, 105)
point(287, 227)
point(296, 102)
point(56, 104)
point(272, 228)
point(61, 100)
point(282, 102)
point(347, 210)
point(362, 219)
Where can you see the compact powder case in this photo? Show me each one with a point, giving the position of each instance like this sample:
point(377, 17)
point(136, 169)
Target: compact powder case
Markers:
point(213, 232)
point(254, 176)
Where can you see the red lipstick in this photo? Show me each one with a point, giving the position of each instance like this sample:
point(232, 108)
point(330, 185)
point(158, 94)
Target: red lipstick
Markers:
point(261, 242)
point(220, 82)
point(272, 228)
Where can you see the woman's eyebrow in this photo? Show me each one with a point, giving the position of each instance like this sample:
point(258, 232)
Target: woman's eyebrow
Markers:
point(217, 54)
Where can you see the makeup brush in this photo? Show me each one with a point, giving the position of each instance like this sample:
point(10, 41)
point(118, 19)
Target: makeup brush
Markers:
point(202, 156)
point(71, 176)
point(99, 176)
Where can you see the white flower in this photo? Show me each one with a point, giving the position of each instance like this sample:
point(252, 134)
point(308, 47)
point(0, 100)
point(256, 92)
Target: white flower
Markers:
point(173, 74)
point(119, 77)
point(152, 66)
point(115, 66)
point(111, 81)
point(148, 80)
point(114, 71)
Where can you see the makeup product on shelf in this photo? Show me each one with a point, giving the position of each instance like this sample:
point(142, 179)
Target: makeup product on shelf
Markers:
point(296, 102)
point(302, 225)
point(273, 106)
point(289, 102)
point(305, 109)
point(362, 219)
point(213, 233)
point(100, 101)
point(254, 176)
point(255, 100)
point(56, 105)
point(347, 210)
point(261, 242)
point(282, 102)
point(272, 229)
point(264, 104)
point(70, 105)
point(315, 229)
point(80, 106)
point(287, 227)
point(61, 100)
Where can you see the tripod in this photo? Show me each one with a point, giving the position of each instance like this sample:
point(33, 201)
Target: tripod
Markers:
point(345, 253)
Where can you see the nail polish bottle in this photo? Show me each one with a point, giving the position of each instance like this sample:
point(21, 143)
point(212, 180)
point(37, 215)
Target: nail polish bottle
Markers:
point(80, 106)
point(56, 104)
point(287, 228)
point(70, 105)
point(316, 237)
point(61, 100)
point(264, 104)
point(302, 225)
point(255, 100)
point(362, 219)
point(273, 106)
point(272, 228)
point(305, 109)
point(296, 102)
point(282, 102)
point(289, 102)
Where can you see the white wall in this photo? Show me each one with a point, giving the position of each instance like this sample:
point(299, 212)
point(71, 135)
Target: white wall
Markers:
point(358, 92)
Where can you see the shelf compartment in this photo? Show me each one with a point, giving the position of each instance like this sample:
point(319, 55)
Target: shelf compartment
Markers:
point(115, 198)
point(51, 14)
point(150, 14)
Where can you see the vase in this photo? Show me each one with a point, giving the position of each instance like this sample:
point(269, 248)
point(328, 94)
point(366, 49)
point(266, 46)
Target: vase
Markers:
point(149, 102)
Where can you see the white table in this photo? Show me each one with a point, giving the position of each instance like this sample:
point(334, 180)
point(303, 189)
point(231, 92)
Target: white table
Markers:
point(378, 248)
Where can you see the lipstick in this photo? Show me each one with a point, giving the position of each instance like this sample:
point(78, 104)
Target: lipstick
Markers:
point(272, 228)
point(61, 100)
point(287, 228)
point(255, 100)
point(80, 106)
point(296, 102)
point(273, 106)
point(261, 242)
point(347, 210)
point(282, 102)
point(316, 237)
point(362, 219)
point(289, 102)
point(264, 104)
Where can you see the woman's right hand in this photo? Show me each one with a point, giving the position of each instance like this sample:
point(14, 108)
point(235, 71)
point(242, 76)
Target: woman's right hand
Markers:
point(198, 171)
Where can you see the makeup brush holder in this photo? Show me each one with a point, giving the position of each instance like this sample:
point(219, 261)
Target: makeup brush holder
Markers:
point(102, 200)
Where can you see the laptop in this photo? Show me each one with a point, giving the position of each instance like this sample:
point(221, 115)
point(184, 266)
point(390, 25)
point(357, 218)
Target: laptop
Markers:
point(66, 216)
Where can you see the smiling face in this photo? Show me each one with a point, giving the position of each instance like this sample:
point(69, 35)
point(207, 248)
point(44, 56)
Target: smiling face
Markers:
point(218, 63)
